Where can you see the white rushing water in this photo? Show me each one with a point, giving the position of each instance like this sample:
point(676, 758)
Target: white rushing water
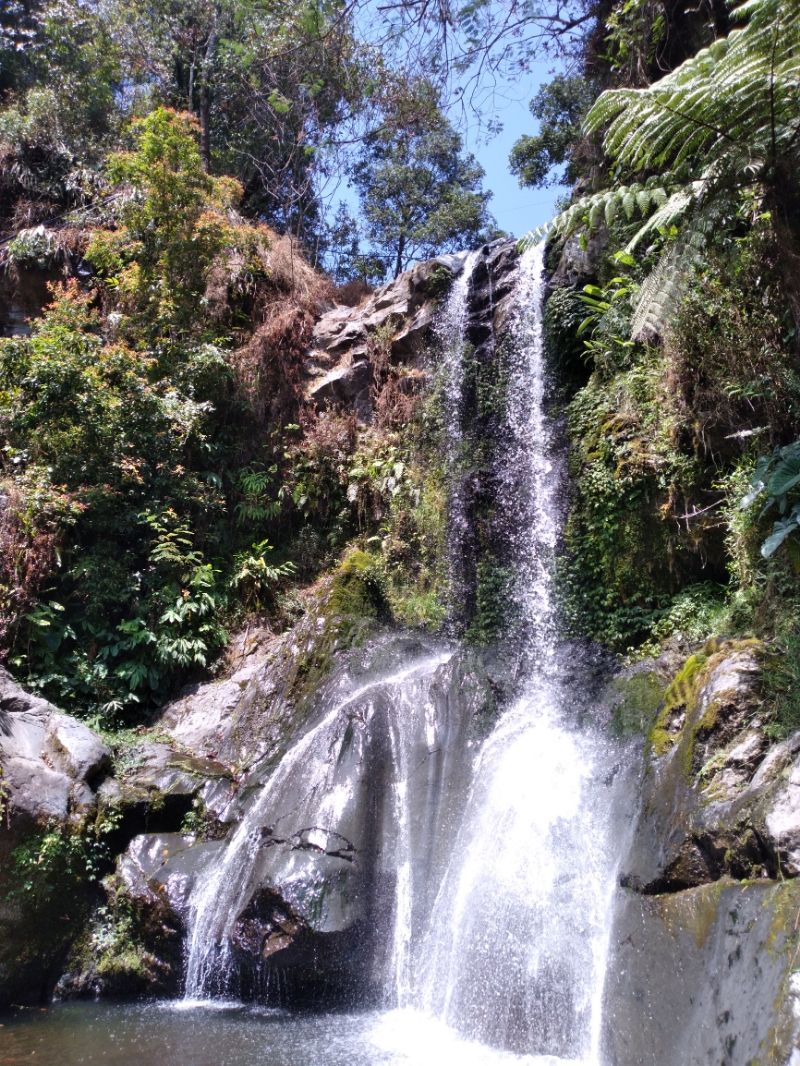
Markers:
point(515, 952)
point(493, 950)
point(450, 329)
point(313, 770)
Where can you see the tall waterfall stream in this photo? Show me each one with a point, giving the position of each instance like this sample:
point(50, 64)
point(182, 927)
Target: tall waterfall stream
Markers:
point(504, 941)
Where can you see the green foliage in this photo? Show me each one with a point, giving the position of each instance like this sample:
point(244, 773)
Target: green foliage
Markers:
point(564, 346)
point(174, 227)
point(608, 309)
point(254, 577)
point(735, 323)
point(717, 129)
point(58, 860)
point(419, 193)
point(559, 108)
point(58, 73)
point(626, 470)
point(492, 601)
point(412, 537)
point(93, 440)
point(776, 483)
point(637, 31)
point(782, 678)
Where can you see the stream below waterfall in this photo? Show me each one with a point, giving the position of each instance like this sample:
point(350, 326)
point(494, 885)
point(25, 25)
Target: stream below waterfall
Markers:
point(233, 1034)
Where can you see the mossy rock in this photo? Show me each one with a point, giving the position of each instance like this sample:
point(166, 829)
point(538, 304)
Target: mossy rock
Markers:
point(640, 696)
point(355, 592)
point(351, 607)
point(688, 713)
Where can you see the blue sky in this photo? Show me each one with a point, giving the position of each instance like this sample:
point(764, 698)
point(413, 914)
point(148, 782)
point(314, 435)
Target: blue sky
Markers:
point(517, 210)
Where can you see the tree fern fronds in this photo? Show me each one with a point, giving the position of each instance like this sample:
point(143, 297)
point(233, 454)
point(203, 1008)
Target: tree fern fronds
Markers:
point(731, 92)
point(659, 293)
point(725, 120)
point(672, 209)
point(591, 212)
point(664, 287)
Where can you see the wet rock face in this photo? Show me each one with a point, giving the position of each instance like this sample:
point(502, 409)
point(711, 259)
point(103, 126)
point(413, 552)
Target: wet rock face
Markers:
point(714, 803)
point(323, 853)
point(50, 768)
point(705, 936)
point(704, 977)
point(490, 303)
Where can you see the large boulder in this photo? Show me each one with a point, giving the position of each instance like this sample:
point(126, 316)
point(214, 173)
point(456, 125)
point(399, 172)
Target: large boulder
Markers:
point(50, 768)
point(716, 800)
point(51, 763)
point(704, 941)
point(705, 977)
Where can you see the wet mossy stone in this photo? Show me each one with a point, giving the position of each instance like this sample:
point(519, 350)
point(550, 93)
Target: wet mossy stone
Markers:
point(354, 589)
point(699, 693)
point(640, 695)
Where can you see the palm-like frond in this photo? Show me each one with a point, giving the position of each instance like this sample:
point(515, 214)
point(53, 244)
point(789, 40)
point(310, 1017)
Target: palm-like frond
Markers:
point(723, 120)
point(736, 95)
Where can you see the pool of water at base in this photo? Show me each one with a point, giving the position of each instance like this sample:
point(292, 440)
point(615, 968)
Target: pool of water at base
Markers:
point(213, 1033)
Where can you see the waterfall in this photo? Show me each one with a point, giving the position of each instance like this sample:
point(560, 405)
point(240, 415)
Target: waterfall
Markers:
point(450, 330)
point(310, 798)
point(514, 954)
point(482, 879)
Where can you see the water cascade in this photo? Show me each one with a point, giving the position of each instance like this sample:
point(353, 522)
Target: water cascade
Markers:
point(309, 811)
point(483, 876)
point(451, 333)
point(514, 955)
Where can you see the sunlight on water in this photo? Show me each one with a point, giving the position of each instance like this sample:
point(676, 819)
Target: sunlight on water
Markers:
point(411, 1038)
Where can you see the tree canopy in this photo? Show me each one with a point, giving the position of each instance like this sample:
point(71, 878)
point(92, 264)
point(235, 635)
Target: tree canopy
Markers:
point(420, 192)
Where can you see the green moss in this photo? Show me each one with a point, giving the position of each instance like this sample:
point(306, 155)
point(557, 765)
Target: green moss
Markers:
point(492, 602)
point(683, 695)
point(355, 591)
point(350, 605)
point(641, 695)
point(626, 558)
point(682, 692)
point(412, 561)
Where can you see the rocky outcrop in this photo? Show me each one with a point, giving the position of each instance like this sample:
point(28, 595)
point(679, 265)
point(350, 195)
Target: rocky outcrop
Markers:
point(50, 768)
point(705, 977)
point(314, 897)
point(51, 763)
point(711, 792)
point(705, 937)
point(393, 325)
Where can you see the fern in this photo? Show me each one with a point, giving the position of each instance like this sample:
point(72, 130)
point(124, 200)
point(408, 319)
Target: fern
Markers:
point(724, 121)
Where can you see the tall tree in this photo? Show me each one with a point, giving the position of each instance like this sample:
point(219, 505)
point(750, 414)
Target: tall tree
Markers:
point(420, 192)
point(268, 83)
point(559, 107)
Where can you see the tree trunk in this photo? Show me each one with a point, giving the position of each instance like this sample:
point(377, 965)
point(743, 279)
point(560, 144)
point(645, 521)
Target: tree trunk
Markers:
point(401, 247)
point(205, 127)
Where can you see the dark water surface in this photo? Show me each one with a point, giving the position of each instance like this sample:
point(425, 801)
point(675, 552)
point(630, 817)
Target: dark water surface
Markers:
point(181, 1034)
